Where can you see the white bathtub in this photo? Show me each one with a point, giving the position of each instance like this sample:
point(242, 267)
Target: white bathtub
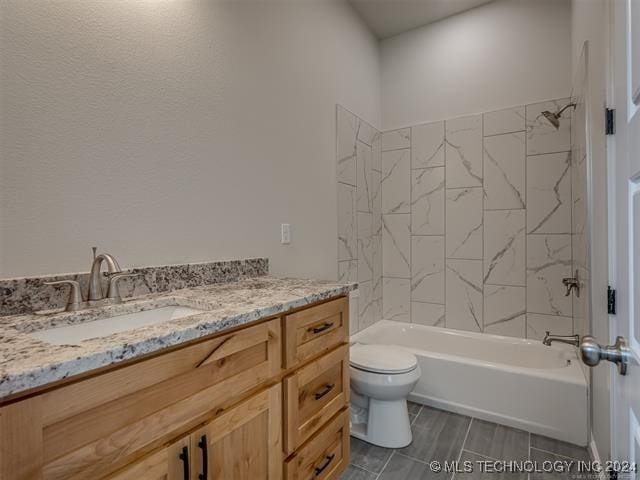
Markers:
point(511, 381)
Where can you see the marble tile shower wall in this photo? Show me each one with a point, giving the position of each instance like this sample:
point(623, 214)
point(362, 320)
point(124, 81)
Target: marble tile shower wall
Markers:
point(476, 222)
point(359, 172)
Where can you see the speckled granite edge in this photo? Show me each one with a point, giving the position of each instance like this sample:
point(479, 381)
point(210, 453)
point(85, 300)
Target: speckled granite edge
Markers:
point(27, 363)
point(29, 294)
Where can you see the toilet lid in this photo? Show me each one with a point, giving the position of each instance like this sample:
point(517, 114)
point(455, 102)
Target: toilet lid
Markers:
point(381, 359)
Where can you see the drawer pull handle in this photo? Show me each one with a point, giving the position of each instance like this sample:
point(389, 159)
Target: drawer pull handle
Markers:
point(326, 390)
point(205, 458)
point(184, 456)
point(326, 326)
point(327, 462)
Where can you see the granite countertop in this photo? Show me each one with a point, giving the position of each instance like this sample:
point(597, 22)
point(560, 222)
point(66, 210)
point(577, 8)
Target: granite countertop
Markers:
point(27, 363)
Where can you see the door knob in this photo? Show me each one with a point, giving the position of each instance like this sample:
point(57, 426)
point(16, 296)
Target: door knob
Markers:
point(592, 352)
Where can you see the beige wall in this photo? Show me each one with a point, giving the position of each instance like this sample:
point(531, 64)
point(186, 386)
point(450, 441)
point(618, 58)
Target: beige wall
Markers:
point(505, 53)
point(175, 131)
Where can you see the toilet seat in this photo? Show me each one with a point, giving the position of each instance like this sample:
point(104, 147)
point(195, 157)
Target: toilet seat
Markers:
point(382, 359)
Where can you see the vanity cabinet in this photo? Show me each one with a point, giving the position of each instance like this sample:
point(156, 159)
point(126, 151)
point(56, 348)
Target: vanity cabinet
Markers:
point(243, 442)
point(236, 405)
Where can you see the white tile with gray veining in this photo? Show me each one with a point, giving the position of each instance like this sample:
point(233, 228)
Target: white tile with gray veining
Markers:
point(428, 314)
point(464, 295)
point(504, 171)
point(538, 325)
point(427, 145)
point(542, 136)
point(396, 302)
point(505, 310)
point(427, 201)
point(347, 242)
point(396, 246)
point(463, 151)
point(365, 247)
point(348, 271)
point(395, 139)
point(549, 193)
point(507, 120)
point(363, 177)
point(360, 215)
point(548, 262)
point(346, 134)
point(27, 363)
point(504, 247)
point(376, 151)
point(365, 305)
point(377, 277)
point(427, 269)
point(396, 181)
point(464, 223)
point(579, 195)
point(377, 300)
point(366, 133)
point(376, 202)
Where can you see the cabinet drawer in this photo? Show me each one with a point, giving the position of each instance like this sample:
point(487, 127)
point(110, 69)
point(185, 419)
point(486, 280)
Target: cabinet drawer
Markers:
point(325, 455)
point(314, 394)
point(95, 426)
point(314, 330)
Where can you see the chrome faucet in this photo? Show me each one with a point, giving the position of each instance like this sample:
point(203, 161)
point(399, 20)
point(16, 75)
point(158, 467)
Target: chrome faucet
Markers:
point(96, 296)
point(568, 339)
point(95, 284)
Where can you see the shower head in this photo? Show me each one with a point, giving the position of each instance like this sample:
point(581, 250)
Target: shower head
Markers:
point(554, 118)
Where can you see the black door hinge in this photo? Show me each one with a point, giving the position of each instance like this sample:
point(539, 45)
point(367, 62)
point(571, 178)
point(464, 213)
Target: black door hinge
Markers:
point(610, 121)
point(611, 301)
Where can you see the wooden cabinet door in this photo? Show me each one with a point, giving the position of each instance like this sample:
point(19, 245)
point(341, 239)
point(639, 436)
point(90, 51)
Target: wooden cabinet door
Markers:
point(242, 443)
point(170, 463)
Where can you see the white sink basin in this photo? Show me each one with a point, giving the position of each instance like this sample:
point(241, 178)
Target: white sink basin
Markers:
point(75, 334)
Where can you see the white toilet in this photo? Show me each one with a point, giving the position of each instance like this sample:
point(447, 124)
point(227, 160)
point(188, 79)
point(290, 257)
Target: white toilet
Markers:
point(381, 378)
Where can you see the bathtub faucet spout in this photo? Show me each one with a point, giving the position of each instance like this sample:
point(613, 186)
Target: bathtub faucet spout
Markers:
point(569, 339)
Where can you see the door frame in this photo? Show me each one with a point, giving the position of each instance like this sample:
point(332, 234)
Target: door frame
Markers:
point(611, 208)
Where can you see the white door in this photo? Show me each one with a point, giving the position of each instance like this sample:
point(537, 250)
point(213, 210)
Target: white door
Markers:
point(626, 253)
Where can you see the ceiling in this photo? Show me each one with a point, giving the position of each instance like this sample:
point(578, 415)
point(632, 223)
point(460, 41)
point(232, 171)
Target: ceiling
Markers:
point(387, 18)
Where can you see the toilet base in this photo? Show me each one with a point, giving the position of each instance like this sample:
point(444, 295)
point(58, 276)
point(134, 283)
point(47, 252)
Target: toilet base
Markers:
point(387, 424)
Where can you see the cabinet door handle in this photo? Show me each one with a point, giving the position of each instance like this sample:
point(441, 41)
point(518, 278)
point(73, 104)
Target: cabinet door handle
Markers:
point(205, 458)
point(184, 456)
point(326, 390)
point(326, 326)
point(327, 461)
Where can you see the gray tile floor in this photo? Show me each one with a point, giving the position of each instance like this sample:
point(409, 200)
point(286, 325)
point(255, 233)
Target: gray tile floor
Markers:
point(444, 436)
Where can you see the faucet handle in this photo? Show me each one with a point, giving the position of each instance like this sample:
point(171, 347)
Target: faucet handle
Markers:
point(75, 300)
point(113, 293)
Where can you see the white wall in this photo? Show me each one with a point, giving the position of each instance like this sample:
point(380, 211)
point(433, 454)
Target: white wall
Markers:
point(175, 131)
point(589, 23)
point(506, 53)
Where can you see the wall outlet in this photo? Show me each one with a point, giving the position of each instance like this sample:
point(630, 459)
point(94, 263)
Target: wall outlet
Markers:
point(285, 234)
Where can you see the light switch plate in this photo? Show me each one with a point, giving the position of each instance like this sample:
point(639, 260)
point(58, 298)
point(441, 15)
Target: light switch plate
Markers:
point(285, 234)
